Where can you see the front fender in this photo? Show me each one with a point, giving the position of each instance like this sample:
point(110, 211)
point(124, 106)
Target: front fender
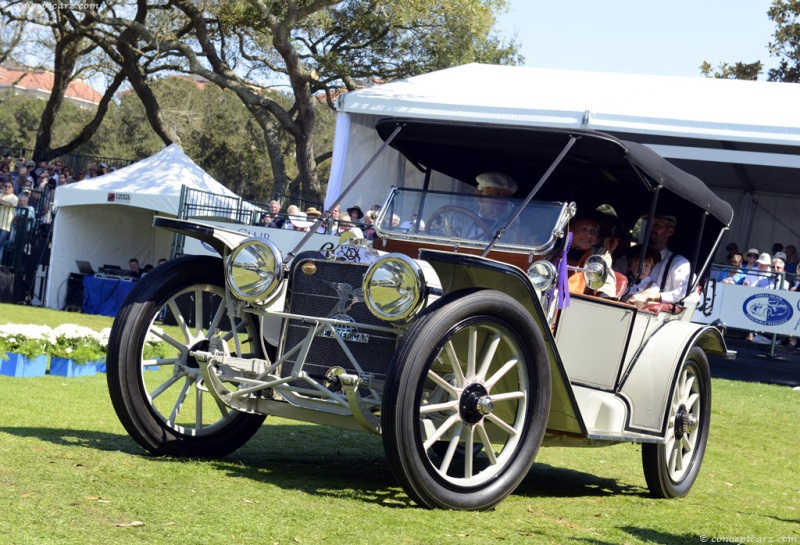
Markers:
point(648, 385)
point(217, 237)
point(458, 272)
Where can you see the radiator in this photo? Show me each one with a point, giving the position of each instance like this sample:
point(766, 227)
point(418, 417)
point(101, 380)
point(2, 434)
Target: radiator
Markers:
point(334, 291)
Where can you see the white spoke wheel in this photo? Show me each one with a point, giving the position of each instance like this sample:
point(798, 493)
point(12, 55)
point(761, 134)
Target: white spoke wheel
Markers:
point(155, 386)
point(670, 469)
point(466, 401)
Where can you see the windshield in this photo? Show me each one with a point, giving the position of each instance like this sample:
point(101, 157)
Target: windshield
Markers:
point(470, 220)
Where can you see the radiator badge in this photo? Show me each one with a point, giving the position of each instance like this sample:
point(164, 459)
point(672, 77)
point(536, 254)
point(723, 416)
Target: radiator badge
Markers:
point(348, 296)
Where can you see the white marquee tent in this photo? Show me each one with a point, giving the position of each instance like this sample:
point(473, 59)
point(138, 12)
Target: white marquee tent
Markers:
point(109, 219)
point(742, 138)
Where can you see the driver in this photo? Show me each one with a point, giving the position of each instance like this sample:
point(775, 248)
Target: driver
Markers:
point(495, 210)
point(494, 184)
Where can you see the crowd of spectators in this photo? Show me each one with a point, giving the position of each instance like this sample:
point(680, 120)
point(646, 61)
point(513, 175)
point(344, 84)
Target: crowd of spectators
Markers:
point(773, 270)
point(777, 270)
point(353, 220)
point(27, 202)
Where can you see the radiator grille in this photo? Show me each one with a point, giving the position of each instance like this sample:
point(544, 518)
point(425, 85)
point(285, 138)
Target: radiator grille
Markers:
point(334, 290)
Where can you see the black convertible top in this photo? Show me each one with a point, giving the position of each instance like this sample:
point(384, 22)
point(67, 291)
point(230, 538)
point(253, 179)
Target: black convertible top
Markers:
point(598, 169)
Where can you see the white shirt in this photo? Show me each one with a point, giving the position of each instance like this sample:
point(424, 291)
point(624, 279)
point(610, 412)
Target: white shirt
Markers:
point(677, 277)
point(772, 283)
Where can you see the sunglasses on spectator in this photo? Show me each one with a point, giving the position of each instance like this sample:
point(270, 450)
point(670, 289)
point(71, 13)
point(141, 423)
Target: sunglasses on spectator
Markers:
point(7, 185)
point(752, 255)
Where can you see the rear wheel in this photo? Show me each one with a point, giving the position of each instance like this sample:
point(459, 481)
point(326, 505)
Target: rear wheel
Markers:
point(670, 469)
point(155, 385)
point(466, 402)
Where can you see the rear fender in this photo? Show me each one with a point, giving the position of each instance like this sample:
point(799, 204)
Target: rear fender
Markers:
point(463, 272)
point(648, 385)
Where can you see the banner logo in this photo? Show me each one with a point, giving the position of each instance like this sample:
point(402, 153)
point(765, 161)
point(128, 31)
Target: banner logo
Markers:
point(119, 197)
point(767, 309)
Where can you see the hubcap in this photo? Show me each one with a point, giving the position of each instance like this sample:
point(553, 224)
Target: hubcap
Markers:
point(685, 422)
point(475, 403)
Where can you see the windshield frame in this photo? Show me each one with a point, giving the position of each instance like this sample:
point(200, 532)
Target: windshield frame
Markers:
point(545, 240)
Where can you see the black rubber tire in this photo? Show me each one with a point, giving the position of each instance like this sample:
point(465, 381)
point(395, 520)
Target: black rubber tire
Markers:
point(128, 381)
point(656, 458)
point(418, 469)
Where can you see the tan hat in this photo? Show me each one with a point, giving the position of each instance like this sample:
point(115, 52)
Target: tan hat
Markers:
point(764, 259)
point(312, 212)
point(666, 216)
point(496, 179)
point(753, 251)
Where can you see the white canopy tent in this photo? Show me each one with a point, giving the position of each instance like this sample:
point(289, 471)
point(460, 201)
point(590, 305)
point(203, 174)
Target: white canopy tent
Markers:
point(109, 219)
point(742, 138)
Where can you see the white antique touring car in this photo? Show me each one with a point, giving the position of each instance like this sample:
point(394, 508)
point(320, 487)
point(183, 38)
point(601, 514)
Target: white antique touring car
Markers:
point(455, 341)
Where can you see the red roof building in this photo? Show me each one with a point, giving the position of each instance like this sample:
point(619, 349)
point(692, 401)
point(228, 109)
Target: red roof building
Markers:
point(38, 83)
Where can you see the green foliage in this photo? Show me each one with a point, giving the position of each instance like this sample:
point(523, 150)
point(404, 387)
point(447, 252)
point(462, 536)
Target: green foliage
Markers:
point(19, 117)
point(365, 39)
point(738, 70)
point(80, 344)
point(785, 46)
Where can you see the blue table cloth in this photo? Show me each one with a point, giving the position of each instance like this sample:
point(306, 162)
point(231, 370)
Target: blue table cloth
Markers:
point(104, 295)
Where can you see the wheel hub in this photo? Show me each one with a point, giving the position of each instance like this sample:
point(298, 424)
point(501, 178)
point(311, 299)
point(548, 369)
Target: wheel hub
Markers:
point(200, 346)
point(685, 422)
point(475, 403)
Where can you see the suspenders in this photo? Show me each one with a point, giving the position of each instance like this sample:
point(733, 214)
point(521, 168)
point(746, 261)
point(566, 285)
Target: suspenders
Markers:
point(666, 271)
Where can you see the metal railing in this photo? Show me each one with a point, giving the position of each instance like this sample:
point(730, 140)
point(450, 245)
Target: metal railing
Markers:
point(302, 204)
point(75, 161)
point(777, 280)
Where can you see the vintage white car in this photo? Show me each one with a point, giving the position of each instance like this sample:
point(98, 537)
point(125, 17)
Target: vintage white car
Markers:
point(454, 337)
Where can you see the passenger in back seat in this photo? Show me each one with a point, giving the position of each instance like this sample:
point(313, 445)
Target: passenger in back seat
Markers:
point(644, 282)
point(671, 274)
point(585, 231)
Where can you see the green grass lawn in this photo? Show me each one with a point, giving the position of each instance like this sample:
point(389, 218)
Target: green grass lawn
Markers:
point(70, 474)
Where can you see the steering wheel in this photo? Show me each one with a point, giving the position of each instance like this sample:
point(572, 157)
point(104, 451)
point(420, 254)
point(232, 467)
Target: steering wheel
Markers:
point(456, 222)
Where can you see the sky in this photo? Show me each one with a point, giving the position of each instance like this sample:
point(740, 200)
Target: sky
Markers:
point(639, 36)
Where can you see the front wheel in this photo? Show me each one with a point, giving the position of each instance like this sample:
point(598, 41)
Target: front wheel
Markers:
point(670, 469)
point(466, 402)
point(155, 384)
